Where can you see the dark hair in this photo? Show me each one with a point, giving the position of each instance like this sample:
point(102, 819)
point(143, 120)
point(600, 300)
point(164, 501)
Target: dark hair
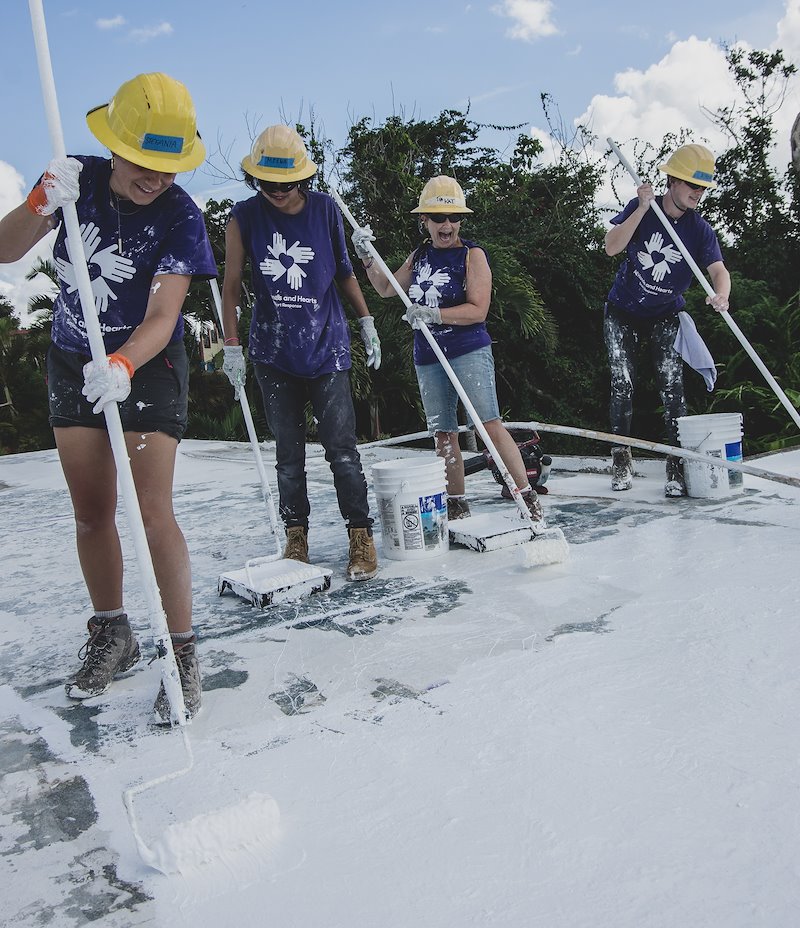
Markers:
point(253, 182)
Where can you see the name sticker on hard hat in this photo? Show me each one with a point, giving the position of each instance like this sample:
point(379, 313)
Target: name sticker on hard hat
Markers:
point(267, 161)
point(703, 175)
point(447, 201)
point(172, 144)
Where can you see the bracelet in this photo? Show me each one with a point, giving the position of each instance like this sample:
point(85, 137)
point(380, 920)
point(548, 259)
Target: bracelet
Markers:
point(231, 340)
point(368, 266)
point(120, 359)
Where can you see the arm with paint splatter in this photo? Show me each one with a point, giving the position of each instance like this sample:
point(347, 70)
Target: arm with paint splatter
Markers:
point(163, 307)
point(618, 236)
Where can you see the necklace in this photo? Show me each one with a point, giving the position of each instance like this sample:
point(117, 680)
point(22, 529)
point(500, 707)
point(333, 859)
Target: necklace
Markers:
point(115, 202)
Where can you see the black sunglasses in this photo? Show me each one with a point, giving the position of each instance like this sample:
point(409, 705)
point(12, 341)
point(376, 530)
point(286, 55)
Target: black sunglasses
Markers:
point(439, 218)
point(694, 186)
point(271, 186)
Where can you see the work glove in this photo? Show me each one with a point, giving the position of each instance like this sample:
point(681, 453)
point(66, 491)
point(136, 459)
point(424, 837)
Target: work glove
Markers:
point(234, 367)
point(372, 343)
point(430, 315)
point(360, 238)
point(58, 186)
point(107, 381)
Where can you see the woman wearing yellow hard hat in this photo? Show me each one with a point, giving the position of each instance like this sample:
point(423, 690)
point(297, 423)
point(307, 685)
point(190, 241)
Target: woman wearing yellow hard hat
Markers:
point(299, 338)
point(449, 281)
point(144, 239)
point(646, 299)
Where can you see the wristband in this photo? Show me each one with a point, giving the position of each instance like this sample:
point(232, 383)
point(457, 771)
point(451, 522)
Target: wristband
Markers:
point(36, 201)
point(232, 340)
point(368, 266)
point(123, 361)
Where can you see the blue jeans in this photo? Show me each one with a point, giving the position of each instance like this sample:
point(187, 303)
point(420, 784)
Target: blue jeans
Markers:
point(285, 399)
point(623, 336)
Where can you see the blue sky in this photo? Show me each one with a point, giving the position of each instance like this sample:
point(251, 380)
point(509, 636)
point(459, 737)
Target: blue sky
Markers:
point(629, 68)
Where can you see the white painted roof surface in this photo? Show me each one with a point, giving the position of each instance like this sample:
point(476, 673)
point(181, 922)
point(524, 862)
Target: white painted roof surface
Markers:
point(611, 742)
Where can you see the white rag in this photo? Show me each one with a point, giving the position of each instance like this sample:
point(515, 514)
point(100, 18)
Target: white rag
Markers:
point(694, 351)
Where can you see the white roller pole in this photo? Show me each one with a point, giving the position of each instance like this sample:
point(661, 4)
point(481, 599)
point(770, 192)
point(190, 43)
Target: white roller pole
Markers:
point(158, 620)
point(266, 492)
point(710, 291)
point(479, 427)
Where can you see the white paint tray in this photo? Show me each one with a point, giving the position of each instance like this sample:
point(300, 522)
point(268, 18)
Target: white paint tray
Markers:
point(266, 582)
point(490, 532)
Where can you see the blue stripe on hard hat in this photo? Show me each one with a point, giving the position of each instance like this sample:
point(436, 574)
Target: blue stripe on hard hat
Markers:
point(173, 144)
point(703, 175)
point(266, 161)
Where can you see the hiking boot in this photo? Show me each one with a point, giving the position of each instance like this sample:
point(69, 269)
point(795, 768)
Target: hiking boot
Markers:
point(112, 648)
point(363, 563)
point(457, 508)
point(189, 671)
point(296, 544)
point(621, 469)
point(676, 483)
point(531, 500)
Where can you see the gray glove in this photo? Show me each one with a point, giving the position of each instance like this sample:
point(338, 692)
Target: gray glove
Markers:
point(234, 368)
point(372, 343)
point(430, 315)
point(359, 238)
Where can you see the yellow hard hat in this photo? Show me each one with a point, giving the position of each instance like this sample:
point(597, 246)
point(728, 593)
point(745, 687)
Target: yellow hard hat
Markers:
point(151, 122)
point(442, 194)
point(693, 163)
point(279, 154)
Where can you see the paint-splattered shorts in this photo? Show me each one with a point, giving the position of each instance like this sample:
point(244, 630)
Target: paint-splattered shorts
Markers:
point(158, 401)
point(475, 371)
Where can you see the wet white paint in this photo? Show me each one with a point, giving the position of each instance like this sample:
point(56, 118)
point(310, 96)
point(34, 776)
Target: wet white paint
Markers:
point(607, 742)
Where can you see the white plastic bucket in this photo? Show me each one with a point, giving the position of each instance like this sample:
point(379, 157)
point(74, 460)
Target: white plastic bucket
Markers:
point(719, 435)
point(412, 501)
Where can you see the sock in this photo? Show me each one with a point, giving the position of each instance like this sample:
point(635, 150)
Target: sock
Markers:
point(112, 617)
point(180, 638)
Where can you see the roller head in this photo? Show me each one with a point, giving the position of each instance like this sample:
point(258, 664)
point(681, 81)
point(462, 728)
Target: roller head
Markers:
point(550, 547)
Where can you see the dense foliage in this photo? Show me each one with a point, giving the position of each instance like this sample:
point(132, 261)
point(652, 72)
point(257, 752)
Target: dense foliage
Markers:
point(543, 232)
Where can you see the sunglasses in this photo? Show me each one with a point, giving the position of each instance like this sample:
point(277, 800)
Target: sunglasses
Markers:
point(270, 186)
point(694, 186)
point(439, 218)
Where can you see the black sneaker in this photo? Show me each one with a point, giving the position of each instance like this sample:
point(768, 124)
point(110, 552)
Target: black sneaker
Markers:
point(112, 648)
point(189, 671)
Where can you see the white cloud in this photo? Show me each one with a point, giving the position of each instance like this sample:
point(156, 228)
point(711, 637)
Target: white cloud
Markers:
point(531, 18)
point(151, 32)
point(13, 285)
point(114, 23)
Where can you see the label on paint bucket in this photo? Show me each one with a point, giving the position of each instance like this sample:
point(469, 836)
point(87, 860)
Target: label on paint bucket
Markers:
point(434, 519)
point(733, 452)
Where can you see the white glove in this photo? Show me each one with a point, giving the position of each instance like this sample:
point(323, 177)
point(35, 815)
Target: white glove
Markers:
point(369, 335)
point(359, 238)
point(234, 368)
point(430, 315)
point(107, 381)
point(58, 186)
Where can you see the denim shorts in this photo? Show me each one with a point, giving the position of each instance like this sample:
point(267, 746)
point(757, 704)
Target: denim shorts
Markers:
point(158, 401)
point(475, 371)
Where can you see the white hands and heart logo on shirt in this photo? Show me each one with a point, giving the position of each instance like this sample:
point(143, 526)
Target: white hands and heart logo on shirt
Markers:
point(286, 261)
point(428, 287)
point(113, 267)
point(669, 255)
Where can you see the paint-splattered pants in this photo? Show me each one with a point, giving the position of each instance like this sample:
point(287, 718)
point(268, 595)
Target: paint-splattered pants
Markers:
point(285, 398)
point(623, 336)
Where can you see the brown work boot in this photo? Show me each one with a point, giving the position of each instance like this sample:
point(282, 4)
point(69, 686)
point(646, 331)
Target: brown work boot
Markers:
point(363, 563)
point(296, 544)
point(457, 508)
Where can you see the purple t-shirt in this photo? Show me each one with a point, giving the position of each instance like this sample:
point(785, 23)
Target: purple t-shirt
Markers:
point(652, 279)
point(166, 237)
point(299, 325)
point(438, 278)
